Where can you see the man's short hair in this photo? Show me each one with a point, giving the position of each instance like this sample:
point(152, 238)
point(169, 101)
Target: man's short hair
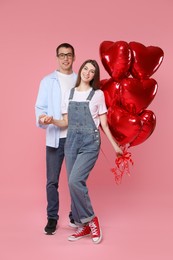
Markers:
point(65, 45)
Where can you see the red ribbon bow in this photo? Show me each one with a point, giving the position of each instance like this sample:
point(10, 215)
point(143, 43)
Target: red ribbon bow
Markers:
point(122, 166)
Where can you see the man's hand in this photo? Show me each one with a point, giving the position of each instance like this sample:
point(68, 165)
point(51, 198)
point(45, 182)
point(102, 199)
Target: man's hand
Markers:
point(45, 120)
point(48, 120)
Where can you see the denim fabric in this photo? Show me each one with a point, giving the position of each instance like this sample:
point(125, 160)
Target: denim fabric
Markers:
point(54, 159)
point(81, 152)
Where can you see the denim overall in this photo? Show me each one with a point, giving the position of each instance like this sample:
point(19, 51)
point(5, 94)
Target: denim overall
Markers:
point(81, 152)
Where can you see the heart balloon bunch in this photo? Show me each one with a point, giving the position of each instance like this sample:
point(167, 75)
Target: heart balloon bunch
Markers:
point(130, 89)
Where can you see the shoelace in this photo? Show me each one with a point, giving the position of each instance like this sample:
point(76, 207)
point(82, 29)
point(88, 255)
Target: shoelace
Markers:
point(94, 229)
point(79, 230)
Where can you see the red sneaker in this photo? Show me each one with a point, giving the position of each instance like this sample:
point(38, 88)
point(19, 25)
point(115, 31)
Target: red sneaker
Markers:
point(96, 232)
point(80, 233)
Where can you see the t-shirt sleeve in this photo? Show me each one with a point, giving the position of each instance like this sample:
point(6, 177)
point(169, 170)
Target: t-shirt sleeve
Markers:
point(102, 104)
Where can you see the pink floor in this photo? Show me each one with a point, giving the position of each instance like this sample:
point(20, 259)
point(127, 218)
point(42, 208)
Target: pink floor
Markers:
point(136, 221)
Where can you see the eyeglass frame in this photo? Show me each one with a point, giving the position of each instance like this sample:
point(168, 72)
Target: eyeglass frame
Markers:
point(62, 56)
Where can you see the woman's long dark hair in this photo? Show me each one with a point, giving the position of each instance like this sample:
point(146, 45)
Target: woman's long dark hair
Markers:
point(95, 82)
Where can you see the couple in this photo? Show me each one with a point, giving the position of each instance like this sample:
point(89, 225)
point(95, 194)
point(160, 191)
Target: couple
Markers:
point(67, 100)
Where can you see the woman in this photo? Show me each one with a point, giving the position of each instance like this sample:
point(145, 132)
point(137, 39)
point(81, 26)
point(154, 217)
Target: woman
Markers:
point(84, 111)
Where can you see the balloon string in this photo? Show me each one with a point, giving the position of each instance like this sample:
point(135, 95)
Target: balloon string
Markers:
point(122, 165)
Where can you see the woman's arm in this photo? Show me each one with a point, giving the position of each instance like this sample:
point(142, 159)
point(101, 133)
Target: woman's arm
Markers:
point(105, 127)
point(60, 123)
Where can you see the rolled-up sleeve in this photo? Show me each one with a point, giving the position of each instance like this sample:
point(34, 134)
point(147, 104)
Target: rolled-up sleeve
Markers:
point(41, 105)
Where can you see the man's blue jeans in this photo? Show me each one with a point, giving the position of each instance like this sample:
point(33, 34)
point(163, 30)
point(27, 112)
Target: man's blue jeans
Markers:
point(54, 160)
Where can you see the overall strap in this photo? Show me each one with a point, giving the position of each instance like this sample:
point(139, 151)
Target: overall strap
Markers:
point(71, 93)
point(91, 94)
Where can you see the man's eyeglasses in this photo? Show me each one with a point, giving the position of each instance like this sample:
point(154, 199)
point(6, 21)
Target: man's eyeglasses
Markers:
point(62, 56)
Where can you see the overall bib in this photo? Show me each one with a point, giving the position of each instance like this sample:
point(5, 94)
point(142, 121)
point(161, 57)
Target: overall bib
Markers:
point(81, 152)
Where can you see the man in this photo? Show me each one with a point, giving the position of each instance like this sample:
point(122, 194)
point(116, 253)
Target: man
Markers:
point(49, 101)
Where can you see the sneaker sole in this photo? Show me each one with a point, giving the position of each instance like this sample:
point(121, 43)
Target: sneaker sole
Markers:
point(76, 238)
point(72, 225)
point(49, 233)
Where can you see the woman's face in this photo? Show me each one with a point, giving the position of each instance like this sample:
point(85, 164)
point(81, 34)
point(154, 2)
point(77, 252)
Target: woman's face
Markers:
point(87, 73)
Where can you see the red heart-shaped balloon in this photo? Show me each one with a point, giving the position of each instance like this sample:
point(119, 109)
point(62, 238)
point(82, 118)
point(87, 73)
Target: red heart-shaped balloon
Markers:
point(116, 58)
point(111, 91)
point(136, 95)
point(148, 120)
point(145, 60)
point(124, 126)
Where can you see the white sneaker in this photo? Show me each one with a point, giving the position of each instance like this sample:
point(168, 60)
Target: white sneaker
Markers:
point(73, 225)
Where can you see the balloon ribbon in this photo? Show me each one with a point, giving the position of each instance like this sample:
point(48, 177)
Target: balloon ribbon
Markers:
point(122, 166)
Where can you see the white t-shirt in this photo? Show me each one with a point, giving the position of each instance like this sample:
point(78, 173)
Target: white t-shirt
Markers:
point(66, 82)
point(96, 104)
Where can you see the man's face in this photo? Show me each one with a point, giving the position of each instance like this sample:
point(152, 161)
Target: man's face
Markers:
point(65, 60)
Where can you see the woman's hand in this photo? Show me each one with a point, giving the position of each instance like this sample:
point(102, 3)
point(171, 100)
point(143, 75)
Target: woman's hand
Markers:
point(46, 120)
point(118, 151)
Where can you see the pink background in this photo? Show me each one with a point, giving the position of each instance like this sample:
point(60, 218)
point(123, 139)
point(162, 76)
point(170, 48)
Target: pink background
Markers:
point(136, 216)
